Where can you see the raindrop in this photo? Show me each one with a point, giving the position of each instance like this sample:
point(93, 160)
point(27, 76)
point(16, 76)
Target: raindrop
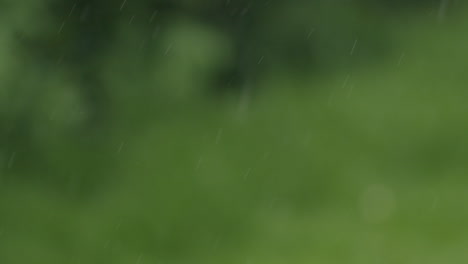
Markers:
point(218, 136)
point(260, 60)
point(216, 243)
point(244, 11)
point(11, 160)
point(310, 33)
point(351, 88)
point(71, 11)
point(168, 49)
point(401, 58)
point(377, 203)
point(442, 10)
point(123, 4)
point(354, 47)
point(155, 32)
point(119, 224)
point(200, 160)
point(330, 99)
point(153, 16)
point(139, 258)
point(247, 173)
point(61, 27)
point(84, 14)
point(272, 204)
point(69, 14)
point(120, 147)
point(60, 59)
point(345, 82)
point(142, 45)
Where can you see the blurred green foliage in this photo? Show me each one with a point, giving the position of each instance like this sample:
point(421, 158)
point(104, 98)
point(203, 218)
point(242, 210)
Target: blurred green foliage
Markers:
point(123, 138)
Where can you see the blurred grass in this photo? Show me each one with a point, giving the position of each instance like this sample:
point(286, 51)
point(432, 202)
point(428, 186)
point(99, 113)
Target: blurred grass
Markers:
point(365, 167)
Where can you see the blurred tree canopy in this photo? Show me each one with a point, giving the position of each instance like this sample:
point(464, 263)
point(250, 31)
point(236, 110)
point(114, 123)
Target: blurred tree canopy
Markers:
point(71, 67)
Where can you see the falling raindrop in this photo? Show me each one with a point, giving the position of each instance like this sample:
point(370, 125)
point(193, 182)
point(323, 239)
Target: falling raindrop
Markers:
point(60, 59)
point(351, 88)
point(216, 243)
point(168, 49)
point(330, 98)
point(199, 162)
point(84, 14)
point(123, 4)
point(442, 10)
point(139, 258)
point(11, 160)
point(155, 32)
point(120, 147)
point(377, 203)
point(247, 173)
point(142, 44)
point(218, 136)
point(71, 11)
point(310, 33)
point(61, 27)
point(354, 47)
point(401, 58)
point(345, 82)
point(153, 16)
point(119, 224)
point(260, 60)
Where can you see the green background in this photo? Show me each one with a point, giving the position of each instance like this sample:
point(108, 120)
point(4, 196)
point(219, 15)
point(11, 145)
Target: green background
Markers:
point(292, 132)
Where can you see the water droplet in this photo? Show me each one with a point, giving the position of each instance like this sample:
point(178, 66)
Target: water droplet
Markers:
point(260, 60)
point(377, 203)
point(218, 136)
point(123, 4)
point(11, 160)
point(354, 47)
